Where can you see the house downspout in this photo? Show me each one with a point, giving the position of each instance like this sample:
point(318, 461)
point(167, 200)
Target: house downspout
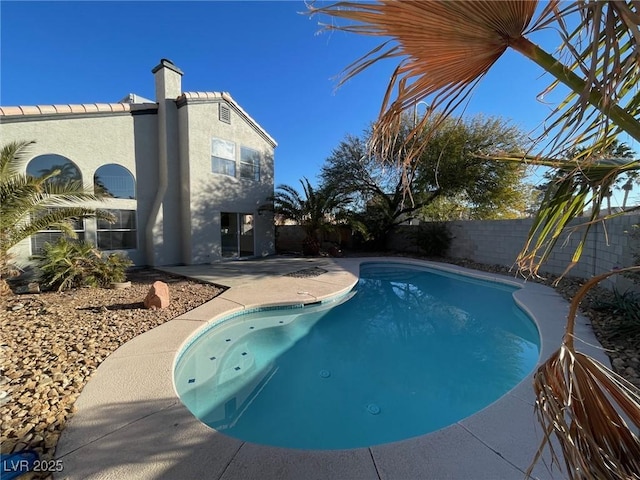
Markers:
point(163, 183)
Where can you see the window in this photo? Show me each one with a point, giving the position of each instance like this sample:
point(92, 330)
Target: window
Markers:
point(249, 164)
point(114, 181)
point(223, 157)
point(47, 164)
point(67, 171)
point(52, 234)
point(121, 235)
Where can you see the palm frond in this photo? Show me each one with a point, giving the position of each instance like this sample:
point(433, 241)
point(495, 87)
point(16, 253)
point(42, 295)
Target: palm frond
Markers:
point(444, 48)
point(579, 183)
point(602, 49)
point(581, 402)
point(312, 208)
point(57, 218)
point(12, 156)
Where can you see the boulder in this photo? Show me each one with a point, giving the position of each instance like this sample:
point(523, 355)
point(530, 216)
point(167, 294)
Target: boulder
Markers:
point(158, 296)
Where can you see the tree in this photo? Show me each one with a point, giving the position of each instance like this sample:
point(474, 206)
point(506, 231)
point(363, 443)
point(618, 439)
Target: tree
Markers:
point(445, 48)
point(376, 193)
point(29, 204)
point(316, 210)
point(447, 169)
point(449, 164)
point(623, 182)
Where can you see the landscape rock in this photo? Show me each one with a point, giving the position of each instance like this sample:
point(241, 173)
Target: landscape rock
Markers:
point(53, 342)
point(32, 287)
point(158, 296)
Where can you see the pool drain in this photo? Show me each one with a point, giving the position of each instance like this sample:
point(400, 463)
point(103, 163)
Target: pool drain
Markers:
point(373, 409)
point(325, 373)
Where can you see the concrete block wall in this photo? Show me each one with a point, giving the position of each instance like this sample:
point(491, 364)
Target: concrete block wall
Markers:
point(289, 238)
point(607, 246)
point(498, 242)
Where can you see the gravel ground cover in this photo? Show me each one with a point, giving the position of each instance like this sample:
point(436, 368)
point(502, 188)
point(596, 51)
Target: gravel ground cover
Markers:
point(51, 343)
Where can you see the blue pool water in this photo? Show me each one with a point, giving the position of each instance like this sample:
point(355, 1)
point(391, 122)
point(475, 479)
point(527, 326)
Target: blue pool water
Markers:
point(409, 351)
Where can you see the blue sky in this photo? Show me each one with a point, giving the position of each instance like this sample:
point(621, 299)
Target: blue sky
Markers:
point(268, 56)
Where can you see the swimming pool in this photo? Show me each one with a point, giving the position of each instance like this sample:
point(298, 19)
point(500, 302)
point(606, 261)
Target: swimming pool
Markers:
point(409, 351)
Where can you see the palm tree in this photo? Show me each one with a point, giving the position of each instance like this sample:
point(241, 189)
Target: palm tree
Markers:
point(29, 204)
point(317, 210)
point(445, 48)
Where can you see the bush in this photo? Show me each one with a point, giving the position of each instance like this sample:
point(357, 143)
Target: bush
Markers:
point(434, 239)
point(626, 308)
point(71, 264)
point(635, 249)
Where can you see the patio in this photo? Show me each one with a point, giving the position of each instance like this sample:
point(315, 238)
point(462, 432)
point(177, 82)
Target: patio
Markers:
point(130, 423)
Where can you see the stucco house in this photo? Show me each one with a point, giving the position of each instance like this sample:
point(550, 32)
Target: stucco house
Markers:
point(184, 175)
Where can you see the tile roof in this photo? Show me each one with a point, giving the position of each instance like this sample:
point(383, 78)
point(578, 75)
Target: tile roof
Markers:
point(204, 96)
point(125, 105)
point(24, 110)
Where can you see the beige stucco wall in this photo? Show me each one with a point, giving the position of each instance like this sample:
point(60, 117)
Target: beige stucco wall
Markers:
point(167, 149)
point(206, 194)
point(91, 141)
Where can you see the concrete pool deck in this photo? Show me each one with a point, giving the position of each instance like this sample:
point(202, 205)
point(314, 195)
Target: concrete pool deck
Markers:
point(130, 423)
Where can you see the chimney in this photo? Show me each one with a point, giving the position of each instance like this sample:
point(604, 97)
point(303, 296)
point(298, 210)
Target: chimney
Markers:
point(160, 232)
point(168, 80)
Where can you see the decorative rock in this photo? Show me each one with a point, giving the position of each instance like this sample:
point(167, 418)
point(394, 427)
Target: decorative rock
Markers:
point(618, 363)
point(158, 296)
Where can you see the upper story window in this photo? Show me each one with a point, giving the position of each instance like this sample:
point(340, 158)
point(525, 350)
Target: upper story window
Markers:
point(114, 181)
point(249, 164)
point(223, 157)
point(43, 165)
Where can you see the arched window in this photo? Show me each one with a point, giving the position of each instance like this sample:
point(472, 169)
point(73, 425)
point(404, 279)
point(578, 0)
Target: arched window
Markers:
point(114, 181)
point(43, 165)
point(46, 164)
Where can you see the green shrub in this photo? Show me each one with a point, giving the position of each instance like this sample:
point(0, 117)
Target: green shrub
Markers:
point(626, 307)
point(434, 239)
point(635, 250)
point(70, 264)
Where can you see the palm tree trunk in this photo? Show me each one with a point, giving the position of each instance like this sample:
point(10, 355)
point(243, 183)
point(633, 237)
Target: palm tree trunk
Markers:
point(627, 188)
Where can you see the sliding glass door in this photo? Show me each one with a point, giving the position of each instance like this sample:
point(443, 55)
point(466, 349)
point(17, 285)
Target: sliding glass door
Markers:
point(236, 231)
